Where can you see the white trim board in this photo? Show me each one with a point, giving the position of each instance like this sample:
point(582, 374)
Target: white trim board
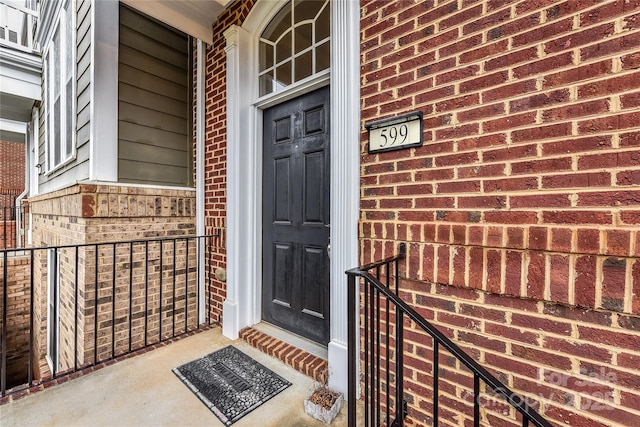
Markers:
point(244, 170)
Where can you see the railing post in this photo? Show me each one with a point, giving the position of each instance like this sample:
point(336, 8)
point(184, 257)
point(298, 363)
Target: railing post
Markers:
point(399, 369)
point(351, 350)
point(3, 332)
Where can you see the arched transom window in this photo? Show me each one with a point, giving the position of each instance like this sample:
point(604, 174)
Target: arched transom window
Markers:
point(295, 44)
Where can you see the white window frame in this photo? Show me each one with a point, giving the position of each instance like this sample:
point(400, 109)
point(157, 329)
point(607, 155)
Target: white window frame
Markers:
point(53, 309)
point(49, 59)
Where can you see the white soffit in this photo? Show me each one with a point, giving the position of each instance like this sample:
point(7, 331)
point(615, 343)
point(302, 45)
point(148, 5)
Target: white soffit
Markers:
point(194, 17)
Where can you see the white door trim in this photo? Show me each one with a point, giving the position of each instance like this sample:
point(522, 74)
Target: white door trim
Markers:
point(244, 172)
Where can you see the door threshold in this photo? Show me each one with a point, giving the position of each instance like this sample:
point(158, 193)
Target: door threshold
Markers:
point(293, 339)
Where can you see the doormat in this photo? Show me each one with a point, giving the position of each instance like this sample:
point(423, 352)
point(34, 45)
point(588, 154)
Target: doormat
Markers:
point(230, 383)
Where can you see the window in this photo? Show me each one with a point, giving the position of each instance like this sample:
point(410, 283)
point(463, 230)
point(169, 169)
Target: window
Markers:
point(59, 60)
point(295, 44)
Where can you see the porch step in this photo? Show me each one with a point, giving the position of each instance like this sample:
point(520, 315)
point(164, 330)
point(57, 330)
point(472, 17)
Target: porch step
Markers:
point(299, 359)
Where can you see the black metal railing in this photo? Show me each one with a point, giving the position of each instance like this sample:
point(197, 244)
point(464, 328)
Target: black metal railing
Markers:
point(67, 308)
point(381, 360)
point(13, 226)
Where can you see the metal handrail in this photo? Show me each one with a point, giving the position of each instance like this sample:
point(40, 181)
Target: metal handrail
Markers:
point(402, 309)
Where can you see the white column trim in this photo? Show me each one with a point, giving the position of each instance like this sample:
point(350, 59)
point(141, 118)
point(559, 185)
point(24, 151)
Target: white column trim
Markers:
point(200, 125)
point(345, 173)
point(103, 131)
point(238, 309)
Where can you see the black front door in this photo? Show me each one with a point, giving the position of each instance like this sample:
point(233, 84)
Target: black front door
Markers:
point(295, 271)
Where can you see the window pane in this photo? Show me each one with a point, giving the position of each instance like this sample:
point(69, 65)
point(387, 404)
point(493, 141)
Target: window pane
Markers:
point(54, 143)
point(279, 24)
point(303, 35)
point(56, 63)
point(266, 83)
point(283, 48)
point(266, 56)
point(323, 25)
point(306, 9)
point(304, 65)
point(69, 120)
point(323, 56)
point(283, 75)
point(69, 39)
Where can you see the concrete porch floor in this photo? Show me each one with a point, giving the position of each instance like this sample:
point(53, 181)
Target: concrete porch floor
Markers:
point(142, 391)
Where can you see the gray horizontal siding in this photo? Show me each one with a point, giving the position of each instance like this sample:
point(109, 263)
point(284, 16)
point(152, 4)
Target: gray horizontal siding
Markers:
point(78, 169)
point(154, 103)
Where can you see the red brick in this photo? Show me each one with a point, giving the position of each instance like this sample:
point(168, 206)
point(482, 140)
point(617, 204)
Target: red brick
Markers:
point(540, 201)
point(515, 238)
point(487, 50)
point(631, 61)
point(536, 274)
point(635, 280)
point(484, 202)
point(541, 33)
point(559, 278)
point(610, 47)
point(511, 217)
point(567, 112)
point(631, 100)
point(495, 170)
point(577, 217)
point(576, 180)
point(539, 101)
point(540, 166)
point(610, 85)
point(608, 337)
point(456, 103)
point(509, 122)
point(577, 74)
point(618, 242)
point(511, 58)
point(461, 17)
point(443, 264)
point(552, 359)
point(609, 123)
point(458, 187)
point(435, 202)
point(494, 270)
point(486, 21)
point(610, 198)
point(512, 90)
point(494, 236)
point(510, 184)
point(579, 38)
point(542, 132)
point(577, 145)
point(561, 240)
point(613, 283)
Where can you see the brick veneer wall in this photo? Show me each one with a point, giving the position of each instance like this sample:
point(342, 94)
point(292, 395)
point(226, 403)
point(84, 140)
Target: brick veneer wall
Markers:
point(18, 319)
point(12, 171)
point(522, 208)
point(100, 213)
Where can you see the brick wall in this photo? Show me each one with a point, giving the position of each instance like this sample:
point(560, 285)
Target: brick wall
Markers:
point(84, 214)
point(522, 208)
point(216, 141)
point(12, 171)
point(17, 313)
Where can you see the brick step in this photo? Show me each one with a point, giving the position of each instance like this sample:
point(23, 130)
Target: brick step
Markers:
point(300, 360)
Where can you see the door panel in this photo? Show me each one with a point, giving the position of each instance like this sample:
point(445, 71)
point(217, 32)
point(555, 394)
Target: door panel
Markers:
point(295, 288)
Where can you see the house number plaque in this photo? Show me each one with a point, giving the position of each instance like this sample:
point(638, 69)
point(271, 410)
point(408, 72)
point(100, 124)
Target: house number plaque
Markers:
point(395, 133)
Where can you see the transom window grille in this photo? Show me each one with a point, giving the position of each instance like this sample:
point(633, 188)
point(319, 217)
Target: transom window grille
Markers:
point(295, 44)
